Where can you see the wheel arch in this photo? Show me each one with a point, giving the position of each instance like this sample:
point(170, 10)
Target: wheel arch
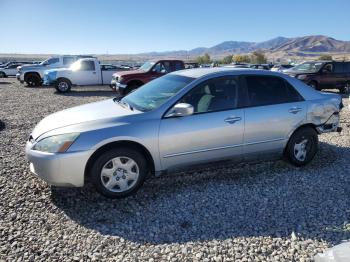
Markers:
point(64, 78)
point(121, 143)
point(27, 74)
point(135, 81)
point(311, 125)
point(5, 75)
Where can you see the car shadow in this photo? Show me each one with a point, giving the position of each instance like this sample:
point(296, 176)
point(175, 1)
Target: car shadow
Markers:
point(250, 200)
point(88, 93)
point(4, 83)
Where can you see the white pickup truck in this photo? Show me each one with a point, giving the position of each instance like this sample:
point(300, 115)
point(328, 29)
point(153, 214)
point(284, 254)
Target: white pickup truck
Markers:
point(83, 72)
point(33, 74)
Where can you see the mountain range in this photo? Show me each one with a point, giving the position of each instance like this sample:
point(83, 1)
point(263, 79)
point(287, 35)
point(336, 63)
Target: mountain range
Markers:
point(305, 44)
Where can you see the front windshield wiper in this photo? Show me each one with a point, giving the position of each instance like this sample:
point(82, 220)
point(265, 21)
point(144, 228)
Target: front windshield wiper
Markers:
point(123, 103)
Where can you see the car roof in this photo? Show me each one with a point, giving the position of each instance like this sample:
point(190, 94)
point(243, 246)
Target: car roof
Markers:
point(200, 72)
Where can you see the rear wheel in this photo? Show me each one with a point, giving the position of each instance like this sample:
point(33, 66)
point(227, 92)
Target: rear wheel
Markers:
point(2, 75)
point(63, 85)
point(302, 146)
point(345, 89)
point(119, 172)
point(33, 80)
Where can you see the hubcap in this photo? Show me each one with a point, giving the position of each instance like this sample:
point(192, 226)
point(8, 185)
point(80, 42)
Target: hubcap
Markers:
point(300, 150)
point(63, 86)
point(119, 174)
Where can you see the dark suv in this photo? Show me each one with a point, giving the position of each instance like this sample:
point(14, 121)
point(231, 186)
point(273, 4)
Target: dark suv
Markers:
point(323, 74)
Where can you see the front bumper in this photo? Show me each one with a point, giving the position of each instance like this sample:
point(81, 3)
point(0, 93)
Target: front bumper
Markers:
point(61, 169)
point(19, 78)
point(118, 86)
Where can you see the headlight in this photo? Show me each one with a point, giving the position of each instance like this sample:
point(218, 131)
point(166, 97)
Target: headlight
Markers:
point(56, 144)
point(120, 79)
point(301, 77)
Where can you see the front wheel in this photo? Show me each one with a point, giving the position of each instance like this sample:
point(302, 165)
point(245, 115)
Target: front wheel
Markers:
point(119, 172)
point(2, 75)
point(33, 80)
point(345, 89)
point(302, 146)
point(63, 85)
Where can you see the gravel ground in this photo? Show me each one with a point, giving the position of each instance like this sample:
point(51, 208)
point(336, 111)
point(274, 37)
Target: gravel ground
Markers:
point(267, 211)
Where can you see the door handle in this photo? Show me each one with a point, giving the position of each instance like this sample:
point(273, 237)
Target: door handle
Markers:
point(94, 73)
point(233, 119)
point(295, 110)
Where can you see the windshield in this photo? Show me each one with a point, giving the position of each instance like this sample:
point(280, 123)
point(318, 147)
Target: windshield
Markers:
point(147, 66)
point(308, 66)
point(155, 93)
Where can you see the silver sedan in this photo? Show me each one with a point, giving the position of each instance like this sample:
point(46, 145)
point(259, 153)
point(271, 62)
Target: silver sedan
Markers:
point(185, 118)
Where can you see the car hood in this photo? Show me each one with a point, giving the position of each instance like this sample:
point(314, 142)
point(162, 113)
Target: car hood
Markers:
point(294, 72)
point(30, 67)
point(97, 111)
point(130, 72)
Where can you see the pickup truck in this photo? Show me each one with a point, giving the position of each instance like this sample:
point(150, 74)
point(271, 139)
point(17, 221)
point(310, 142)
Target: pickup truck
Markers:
point(126, 81)
point(33, 74)
point(83, 72)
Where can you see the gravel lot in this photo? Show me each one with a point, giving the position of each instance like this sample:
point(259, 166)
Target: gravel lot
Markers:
point(267, 211)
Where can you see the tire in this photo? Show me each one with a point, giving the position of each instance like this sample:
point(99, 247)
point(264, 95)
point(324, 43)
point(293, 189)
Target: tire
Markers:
point(345, 89)
point(2, 75)
point(33, 80)
point(314, 85)
point(126, 176)
point(63, 85)
point(131, 87)
point(302, 146)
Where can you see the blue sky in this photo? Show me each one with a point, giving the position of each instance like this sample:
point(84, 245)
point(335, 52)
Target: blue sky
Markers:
point(124, 27)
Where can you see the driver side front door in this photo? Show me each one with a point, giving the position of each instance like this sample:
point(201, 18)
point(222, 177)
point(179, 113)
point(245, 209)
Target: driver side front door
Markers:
point(213, 132)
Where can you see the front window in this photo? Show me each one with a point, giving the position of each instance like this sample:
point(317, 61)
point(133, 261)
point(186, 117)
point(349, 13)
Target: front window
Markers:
point(155, 93)
point(308, 67)
point(50, 61)
point(147, 66)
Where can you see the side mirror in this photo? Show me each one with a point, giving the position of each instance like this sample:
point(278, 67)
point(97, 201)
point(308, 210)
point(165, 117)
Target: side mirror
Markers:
point(180, 109)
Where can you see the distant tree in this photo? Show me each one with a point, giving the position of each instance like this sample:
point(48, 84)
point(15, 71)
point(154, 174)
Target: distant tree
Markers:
point(241, 59)
point(258, 57)
point(227, 59)
point(325, 57)
point(205, 59)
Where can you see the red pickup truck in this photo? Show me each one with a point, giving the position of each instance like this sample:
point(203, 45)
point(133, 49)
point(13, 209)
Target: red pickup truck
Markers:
point(126, 81)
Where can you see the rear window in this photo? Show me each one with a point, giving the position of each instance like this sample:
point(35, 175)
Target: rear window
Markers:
point(270, 90)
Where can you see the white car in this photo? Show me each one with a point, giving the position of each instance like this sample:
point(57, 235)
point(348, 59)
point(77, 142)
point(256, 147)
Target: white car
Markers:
point(84, 72)
point(33, 74)
point(10, 70)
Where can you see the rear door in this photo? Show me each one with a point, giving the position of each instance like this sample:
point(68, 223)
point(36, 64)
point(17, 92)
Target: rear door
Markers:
point(327, 76)
point(339, 74)
point(274, 108)
point(213, 132)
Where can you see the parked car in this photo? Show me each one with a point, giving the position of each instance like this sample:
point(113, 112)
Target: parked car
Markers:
point(16, 62)
point(83, 72)
point(184, 118)
point(9, 70)
point(125, 82)
point(323, 75)
point(281, 67)
point(260, 66)
point(237, 66)
point(33, 74)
